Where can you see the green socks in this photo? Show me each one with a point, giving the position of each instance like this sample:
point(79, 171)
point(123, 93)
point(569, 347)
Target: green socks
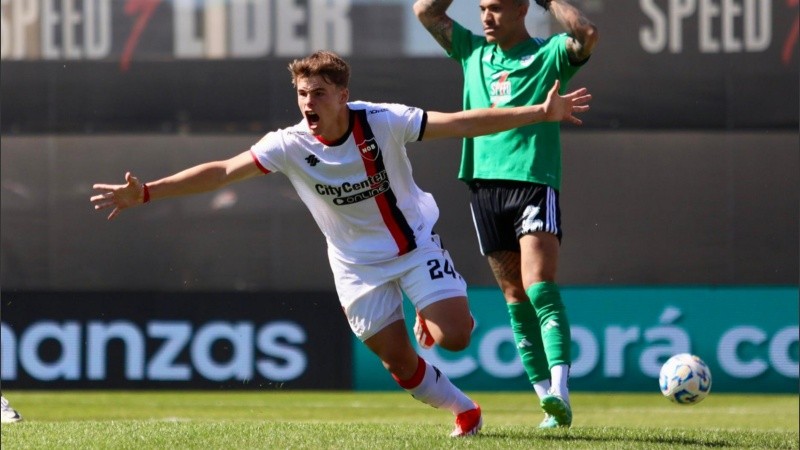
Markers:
point(525, 327)
point(541, 331)
point(555, 332)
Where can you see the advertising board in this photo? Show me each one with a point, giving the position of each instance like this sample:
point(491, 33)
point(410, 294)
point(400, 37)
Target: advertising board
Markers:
point(622, 336)
point(133, 340)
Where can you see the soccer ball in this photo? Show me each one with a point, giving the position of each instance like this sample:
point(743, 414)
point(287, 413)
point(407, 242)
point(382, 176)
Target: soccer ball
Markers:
point(685, 379)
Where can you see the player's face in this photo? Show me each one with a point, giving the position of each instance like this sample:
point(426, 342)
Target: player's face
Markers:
point(324, 106)
point(502, 19)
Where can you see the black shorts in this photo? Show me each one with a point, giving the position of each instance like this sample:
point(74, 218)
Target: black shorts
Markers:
point(504, 211)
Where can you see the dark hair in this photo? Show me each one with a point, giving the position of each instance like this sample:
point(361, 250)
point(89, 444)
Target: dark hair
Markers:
point(328, 65)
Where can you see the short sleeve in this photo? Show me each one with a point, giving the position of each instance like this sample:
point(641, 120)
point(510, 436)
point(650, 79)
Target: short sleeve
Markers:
point(464, 42)
point(268, 152)
point(409, 119)
point(558, 44)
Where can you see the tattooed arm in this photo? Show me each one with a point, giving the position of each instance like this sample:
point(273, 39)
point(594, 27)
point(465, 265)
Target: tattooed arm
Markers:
point(433, 16)
point(583, 33)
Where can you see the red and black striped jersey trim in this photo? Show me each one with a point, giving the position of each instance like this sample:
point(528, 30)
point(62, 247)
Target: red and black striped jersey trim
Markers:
point(372, 157)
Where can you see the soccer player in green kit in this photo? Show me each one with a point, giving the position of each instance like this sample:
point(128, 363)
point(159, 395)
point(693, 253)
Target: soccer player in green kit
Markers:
point(515, 176)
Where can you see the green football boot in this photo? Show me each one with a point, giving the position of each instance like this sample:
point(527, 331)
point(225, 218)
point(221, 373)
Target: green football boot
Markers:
point(557, 408)
point(548, 422)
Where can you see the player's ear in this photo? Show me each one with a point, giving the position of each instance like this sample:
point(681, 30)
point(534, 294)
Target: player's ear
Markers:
point(523, 10)
point(344, 95)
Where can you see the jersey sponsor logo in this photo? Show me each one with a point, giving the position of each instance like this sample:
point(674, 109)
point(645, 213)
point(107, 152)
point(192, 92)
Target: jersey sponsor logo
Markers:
point(500, 88)
point(370, 187)
point(499, 75)
point(373, 191)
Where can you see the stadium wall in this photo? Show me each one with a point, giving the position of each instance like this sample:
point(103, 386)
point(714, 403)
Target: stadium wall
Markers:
point(639, 208)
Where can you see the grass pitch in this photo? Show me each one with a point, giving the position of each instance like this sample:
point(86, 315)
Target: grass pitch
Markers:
point(347, 420)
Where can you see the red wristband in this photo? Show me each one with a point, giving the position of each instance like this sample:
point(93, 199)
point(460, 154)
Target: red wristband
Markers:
point(146, 193)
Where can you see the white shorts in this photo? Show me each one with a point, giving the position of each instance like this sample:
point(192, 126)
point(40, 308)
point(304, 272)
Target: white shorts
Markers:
point(372, 294)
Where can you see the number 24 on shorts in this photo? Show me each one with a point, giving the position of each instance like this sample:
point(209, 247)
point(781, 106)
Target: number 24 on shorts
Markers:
point(439, 270)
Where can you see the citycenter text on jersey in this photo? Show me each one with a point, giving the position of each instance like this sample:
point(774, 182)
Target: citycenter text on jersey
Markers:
point(373, 186)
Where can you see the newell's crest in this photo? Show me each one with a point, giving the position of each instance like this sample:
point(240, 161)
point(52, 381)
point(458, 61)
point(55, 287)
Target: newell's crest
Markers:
point(369, 149)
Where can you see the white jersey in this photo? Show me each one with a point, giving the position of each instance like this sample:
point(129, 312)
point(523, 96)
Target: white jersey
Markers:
point(359, 189)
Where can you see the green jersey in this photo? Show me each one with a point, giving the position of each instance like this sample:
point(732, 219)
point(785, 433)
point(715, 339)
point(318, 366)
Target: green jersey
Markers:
point(519, 76)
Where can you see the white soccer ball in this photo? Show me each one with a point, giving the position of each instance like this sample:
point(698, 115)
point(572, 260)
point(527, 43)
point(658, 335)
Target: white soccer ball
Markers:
point(685, 379)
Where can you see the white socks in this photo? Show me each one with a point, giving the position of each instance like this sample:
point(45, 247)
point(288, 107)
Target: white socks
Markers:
point(432, 387)
point(560, 375)
point(542, 388)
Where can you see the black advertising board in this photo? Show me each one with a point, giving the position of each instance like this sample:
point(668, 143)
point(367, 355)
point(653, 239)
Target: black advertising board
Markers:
point(699, 64)
point(121, 66)
point(134, 340)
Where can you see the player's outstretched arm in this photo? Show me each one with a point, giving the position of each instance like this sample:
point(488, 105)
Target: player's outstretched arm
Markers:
point(481, 121)
point(433, 16)
point(583, 33)
point(201, 178)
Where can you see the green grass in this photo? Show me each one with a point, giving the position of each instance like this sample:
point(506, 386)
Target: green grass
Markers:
point(346, 420)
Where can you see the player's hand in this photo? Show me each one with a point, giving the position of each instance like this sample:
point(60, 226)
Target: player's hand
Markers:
point(564, 107)
point(544, 4)
point(118, 196)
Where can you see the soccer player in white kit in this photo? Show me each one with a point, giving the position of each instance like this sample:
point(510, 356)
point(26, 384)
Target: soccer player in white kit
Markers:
point(348, 163)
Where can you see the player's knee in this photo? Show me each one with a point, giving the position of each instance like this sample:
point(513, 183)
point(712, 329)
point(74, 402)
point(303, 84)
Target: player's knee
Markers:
point(456, 340)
